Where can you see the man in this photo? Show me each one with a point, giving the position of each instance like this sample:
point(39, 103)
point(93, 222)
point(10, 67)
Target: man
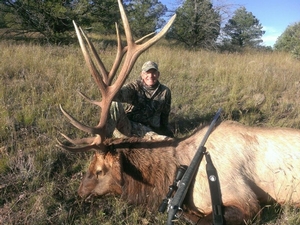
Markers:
point(145, 106)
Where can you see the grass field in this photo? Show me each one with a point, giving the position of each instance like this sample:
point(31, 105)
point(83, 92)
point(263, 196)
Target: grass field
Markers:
point(38, 181)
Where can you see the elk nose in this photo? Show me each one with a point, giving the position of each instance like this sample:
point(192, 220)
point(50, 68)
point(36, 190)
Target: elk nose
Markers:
point(80, 191)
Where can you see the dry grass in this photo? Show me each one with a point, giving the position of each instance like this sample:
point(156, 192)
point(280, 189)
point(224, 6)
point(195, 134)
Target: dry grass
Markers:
point(39, 181)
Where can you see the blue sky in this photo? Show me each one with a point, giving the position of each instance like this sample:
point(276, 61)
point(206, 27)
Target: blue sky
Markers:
point(274, 15)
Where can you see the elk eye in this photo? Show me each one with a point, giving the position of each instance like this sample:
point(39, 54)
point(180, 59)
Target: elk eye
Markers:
point(98, 173)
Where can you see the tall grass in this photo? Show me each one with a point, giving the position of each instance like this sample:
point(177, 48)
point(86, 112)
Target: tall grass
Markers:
point(38, 181)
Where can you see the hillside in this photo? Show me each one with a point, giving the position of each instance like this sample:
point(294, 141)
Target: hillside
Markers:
point(38, 181)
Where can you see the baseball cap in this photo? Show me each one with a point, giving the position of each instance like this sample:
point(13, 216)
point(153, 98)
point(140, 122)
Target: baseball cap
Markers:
point(149, 65)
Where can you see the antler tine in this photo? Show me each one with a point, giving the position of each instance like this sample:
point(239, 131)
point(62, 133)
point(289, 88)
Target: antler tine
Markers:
point(100, 82)
point(145, 37)
point(76, 123)
point(76, 149)
point(99, 62)
point(158, 36)
point(80, 141)
point(127, 28)
point(89, 100)
point(89, 140)
point(120, 53)
point(93, 142)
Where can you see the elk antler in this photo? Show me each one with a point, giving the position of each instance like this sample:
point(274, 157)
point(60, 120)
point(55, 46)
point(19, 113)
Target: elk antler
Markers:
point(103, 79)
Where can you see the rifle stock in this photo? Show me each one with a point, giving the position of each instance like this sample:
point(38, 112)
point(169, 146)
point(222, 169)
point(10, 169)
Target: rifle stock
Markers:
point(183, 186)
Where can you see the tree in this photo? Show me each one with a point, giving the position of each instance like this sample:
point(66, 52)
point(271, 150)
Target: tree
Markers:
point(197, 24)
point(50, 18)
point(289, 40)
point(145, 16)
point(53, 19)
point(243, 29)
point(2, 16)
point(105, 14)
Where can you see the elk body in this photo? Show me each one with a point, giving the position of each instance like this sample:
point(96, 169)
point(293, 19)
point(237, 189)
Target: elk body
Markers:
point(255, 165)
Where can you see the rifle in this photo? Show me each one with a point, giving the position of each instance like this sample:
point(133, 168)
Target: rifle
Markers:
point(184, 183)
point(172, 188)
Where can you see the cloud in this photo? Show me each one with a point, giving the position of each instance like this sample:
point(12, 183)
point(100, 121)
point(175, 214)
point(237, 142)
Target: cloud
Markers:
point(269, 40)
point(270, 29)
point(270, 36)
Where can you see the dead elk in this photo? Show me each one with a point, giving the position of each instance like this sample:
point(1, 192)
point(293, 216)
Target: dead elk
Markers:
point(255, 165)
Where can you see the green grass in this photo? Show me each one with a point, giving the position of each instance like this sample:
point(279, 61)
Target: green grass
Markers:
point(38, 181)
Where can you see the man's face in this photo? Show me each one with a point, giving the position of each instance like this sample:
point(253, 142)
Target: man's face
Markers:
point(150, 77)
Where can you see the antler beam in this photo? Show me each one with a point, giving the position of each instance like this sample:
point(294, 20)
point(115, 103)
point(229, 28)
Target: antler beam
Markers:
point(103, 78)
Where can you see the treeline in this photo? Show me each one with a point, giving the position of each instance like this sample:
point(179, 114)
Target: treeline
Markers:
point(199, 23)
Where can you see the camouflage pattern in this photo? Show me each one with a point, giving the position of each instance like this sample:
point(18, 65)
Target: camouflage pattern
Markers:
point(143, 109)
point(149, 65)
point(118, 120)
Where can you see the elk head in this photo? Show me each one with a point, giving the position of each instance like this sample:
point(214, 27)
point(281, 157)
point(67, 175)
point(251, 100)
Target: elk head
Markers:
point(103, 79)
point(103, 176)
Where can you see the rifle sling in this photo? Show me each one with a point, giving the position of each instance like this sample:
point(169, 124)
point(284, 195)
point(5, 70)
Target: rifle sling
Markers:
point(215, 191)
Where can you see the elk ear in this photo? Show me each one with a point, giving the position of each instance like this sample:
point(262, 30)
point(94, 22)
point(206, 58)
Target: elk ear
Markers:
point(93, 163)
point(115, 164)
point(96, 164)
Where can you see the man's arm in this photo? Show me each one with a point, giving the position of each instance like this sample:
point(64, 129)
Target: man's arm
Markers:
point(126, 93)
point(164, 118)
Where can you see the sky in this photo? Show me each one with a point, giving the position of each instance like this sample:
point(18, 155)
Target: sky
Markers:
point(274, 15)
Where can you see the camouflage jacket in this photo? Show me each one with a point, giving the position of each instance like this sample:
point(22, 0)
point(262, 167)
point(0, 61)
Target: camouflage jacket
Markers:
point(149, 106)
